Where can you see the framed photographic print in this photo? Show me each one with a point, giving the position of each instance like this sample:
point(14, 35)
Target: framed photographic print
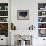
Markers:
point(22, 14)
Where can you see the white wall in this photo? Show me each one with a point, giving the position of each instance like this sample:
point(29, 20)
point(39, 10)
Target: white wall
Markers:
point(32, 6)
point(24, 5)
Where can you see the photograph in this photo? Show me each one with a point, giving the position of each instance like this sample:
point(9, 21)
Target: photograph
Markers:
point(22, 14)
